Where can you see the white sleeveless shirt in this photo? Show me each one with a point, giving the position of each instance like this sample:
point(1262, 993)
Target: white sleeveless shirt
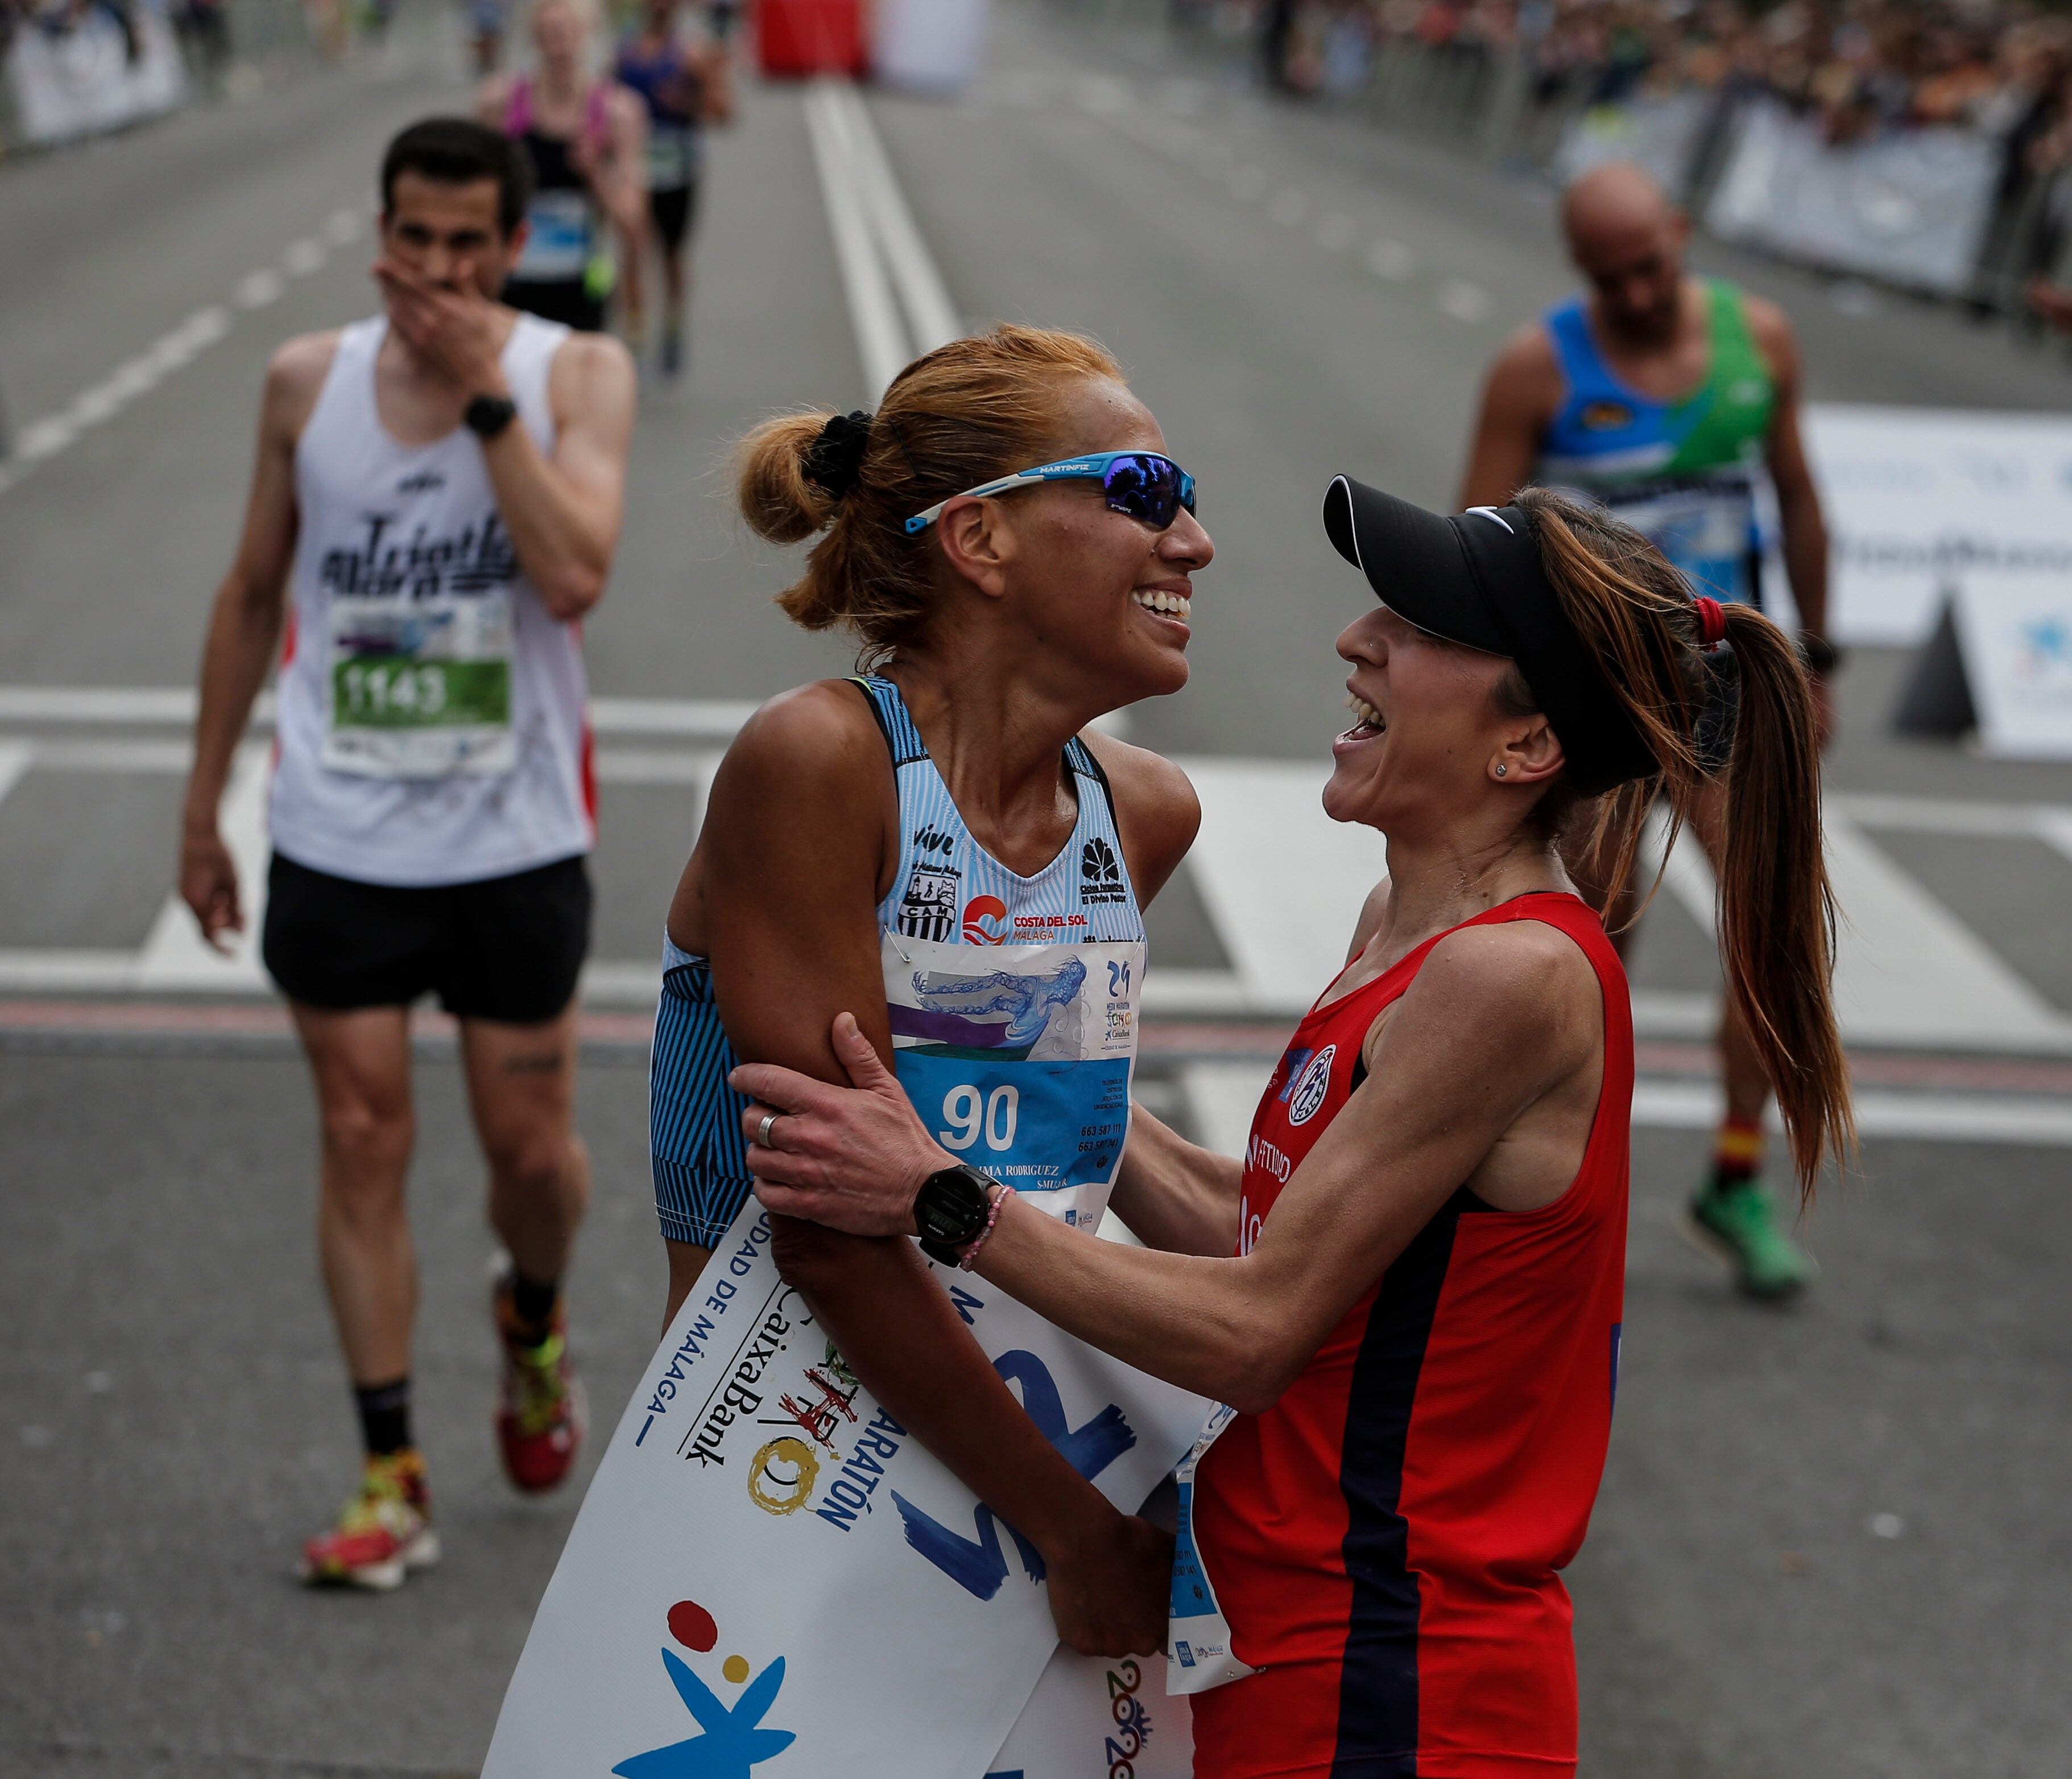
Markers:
point(434, 724)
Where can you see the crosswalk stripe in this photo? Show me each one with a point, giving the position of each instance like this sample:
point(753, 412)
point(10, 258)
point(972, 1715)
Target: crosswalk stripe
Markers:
point(712, 719)
point(1908, 971)
point(175, 956)
point(15, 759)
point(1282, 885)
point(1221, 1096)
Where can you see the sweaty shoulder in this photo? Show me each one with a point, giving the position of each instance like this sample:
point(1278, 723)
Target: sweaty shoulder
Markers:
point(817, 746)
point(597, 362)
point(1156, 808)
point(1525, 364)
point(1771, 329)
point(1520, 991)
point(295, 378)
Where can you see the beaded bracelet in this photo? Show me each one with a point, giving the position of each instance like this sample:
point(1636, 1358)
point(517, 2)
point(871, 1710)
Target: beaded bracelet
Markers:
point(992, 1217)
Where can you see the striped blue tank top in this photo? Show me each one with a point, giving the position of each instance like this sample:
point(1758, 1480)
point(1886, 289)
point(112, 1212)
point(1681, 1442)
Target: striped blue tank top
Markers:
point(1013, 1003)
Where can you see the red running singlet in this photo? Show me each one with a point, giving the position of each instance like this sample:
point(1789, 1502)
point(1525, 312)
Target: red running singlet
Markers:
point(1384, 1540)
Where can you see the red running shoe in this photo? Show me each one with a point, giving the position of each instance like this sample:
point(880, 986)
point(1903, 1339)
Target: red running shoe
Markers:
point(385, 1532)
point(541, 1412)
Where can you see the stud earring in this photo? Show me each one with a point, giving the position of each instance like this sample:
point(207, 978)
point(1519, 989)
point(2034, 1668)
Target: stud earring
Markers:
point(1501, 770)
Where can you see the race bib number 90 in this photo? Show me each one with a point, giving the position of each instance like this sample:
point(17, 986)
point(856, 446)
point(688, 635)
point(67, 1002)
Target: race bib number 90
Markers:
point(1018, 1059)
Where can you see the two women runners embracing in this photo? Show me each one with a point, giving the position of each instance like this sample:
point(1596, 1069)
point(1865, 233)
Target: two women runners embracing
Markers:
point(1410, 1290)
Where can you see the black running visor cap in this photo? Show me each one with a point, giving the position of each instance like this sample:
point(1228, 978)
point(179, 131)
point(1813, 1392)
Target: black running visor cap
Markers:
point(1476, 579)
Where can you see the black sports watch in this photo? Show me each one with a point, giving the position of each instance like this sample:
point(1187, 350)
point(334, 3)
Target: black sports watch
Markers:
point(950, 1208)
point(487, 415)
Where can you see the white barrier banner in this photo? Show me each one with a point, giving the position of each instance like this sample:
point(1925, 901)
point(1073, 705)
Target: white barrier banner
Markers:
point(1659, 135)
point(1920, 500)
point(1911, 206)
point(769, 1569)
point(2015, 633)
point(83, 78)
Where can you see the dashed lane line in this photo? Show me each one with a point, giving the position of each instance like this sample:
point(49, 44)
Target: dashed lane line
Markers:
point(40, 440)
point(1114, 101)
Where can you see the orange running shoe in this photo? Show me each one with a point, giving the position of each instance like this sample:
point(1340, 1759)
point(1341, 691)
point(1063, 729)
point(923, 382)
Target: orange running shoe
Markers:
point(541, 1412)
point(384, 1533)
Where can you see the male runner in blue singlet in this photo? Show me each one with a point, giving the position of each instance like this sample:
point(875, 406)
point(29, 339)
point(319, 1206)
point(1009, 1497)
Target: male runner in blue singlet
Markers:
point(1666, 396)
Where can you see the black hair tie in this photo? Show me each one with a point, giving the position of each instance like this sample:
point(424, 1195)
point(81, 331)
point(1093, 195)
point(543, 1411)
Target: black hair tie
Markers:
point(835, 460)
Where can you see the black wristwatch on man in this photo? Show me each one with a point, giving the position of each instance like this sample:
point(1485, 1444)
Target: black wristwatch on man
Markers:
point(487, 415)
point(951, 1209)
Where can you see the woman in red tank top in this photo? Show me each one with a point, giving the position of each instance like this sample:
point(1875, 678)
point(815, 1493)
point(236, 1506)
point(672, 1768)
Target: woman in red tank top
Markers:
point(1409, 1289)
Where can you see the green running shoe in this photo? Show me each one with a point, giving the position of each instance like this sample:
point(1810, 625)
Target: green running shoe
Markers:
point(1739, 1224)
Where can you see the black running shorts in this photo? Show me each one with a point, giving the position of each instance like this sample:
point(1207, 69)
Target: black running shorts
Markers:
point(674, 211)
point(507, 949)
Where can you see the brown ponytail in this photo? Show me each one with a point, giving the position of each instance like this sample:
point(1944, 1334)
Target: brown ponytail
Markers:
point(962, 414)
point(1777, 907)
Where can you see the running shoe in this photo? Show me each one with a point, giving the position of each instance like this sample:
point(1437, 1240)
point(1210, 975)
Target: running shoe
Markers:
point(540, 1413)
point(1739, 1224)
point(384, 1533)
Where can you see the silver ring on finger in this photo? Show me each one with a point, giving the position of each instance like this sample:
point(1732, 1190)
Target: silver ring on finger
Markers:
point(763, 1130)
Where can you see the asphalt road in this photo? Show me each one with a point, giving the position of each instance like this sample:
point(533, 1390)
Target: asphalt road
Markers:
point(1830, 1543)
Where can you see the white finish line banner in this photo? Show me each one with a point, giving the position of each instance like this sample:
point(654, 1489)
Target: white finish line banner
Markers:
point(1920, 500)
point(770, 1576)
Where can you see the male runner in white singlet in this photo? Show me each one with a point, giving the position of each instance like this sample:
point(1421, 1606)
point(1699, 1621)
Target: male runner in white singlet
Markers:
point(445, 485)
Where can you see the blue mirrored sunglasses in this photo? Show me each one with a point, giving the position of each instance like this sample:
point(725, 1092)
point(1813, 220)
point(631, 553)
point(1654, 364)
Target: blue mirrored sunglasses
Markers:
point(1142, 483)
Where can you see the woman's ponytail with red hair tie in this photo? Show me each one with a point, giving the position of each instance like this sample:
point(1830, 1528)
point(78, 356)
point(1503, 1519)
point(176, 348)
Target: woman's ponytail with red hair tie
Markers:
point(1711, 624)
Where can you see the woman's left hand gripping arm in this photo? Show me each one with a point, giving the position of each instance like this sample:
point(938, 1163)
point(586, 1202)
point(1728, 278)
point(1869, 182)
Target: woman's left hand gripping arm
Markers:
point(1476, 1040)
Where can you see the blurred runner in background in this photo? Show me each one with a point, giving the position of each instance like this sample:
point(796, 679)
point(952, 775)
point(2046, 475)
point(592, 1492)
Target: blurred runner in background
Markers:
point(585, 139)
point(444, 484)
point(1665, 396)
point(685, 86)
point(485, 22)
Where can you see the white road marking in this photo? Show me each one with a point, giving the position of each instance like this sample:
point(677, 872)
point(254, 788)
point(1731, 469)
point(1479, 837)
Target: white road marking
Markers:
point(175, 958)
point(1391, 259)
point(125, 756)
point(1282, 884)
point(1909, 971)
point(257, 289)
point(881, 344)
point(711, 718)
point(46, 438)
point(624, 983)
point(1465, 301)
point(343, 226)
point(43, 438)
point(2053, 828)
point(48, 970)
point(1223, 1097)
point(15, 758)
point(931, 318)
